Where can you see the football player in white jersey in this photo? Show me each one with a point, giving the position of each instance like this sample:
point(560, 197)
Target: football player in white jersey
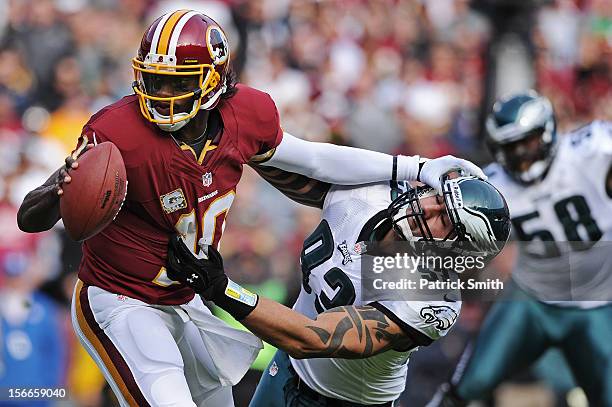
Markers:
point(559, 191)
point(338, 349)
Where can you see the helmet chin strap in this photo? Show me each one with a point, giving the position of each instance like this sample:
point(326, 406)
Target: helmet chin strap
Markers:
point(535, 171)
point(170, 127)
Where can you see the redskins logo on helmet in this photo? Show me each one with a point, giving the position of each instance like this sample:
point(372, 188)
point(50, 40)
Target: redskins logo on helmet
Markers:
point(181, 67)
point(217, 45)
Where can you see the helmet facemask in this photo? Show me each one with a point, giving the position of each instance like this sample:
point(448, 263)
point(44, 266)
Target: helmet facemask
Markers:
point(407, 208)
point(146, 74)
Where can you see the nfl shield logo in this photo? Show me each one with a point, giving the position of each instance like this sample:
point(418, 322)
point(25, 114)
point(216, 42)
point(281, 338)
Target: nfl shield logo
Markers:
point(358, 247)
point(273, 369)
point(207, 179)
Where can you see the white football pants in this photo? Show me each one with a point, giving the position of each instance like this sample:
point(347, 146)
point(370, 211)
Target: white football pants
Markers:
point(161, 355)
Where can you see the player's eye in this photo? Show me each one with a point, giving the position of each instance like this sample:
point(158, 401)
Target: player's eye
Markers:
point(153, 83)
point(185, 84)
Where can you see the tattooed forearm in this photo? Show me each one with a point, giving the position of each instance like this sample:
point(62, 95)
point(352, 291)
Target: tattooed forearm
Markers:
point(371, 326)
point(301, 189)
point(350, 332)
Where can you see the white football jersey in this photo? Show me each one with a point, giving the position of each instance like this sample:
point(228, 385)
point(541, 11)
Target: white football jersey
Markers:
point(571, 211)
point(332, 278)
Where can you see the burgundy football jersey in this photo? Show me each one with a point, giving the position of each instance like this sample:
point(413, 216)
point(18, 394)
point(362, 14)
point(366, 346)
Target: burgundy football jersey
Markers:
point(170, 190)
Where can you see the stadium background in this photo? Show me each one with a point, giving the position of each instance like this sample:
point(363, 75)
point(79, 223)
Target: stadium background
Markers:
point(399, 76)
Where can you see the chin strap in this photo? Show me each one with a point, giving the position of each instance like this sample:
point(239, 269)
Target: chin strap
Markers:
point(535, 171)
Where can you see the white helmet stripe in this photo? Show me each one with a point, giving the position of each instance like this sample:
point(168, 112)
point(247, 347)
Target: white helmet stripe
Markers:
point(158, 31)
point(177, 31)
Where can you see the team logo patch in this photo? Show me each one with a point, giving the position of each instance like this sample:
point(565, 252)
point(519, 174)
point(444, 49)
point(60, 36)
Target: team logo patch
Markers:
point(217, 45)
point(207, 179)
point(160, 59)
point(346, 256)
point(173, 201)
point(273, 369)
point(442, 316)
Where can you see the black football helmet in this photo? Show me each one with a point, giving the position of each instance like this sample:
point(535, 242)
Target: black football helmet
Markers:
point(522, 135)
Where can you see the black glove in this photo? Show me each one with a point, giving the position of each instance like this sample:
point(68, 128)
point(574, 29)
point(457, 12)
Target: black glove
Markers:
point(207, 278)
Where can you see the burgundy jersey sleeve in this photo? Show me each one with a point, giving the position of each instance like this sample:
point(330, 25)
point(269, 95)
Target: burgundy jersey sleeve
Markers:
point(88, 132)
point(271, 130)
point(258, 122)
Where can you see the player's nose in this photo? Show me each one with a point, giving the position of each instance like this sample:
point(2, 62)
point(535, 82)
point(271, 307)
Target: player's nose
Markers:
point(165, 90)
point(163, 87)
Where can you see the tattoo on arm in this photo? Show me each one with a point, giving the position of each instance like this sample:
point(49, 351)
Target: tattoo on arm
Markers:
point(301, 189)
point(357, 318)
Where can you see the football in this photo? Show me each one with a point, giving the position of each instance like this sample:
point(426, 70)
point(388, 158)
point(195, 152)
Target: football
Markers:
point(94, 196)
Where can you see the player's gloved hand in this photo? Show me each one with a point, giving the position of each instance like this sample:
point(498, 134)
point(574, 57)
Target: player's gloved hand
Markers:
point(430, 171)
point(206, 276)
point(203, 275)
point(70, 163)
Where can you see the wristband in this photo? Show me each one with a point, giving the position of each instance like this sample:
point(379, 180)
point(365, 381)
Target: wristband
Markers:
point(421, 164)
point(407, 167)
point(394, 170)
point(236, 300)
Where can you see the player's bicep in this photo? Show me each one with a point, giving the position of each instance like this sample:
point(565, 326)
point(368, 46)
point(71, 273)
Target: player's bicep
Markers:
point(354, 332)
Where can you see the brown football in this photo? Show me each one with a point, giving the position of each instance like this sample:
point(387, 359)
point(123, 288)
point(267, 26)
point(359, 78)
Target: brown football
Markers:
point(96, 192)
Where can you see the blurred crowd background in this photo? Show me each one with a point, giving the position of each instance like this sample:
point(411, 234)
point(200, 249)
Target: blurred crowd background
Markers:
point(398, 76)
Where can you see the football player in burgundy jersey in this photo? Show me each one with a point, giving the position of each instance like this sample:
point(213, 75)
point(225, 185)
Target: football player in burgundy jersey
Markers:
point(184, 136)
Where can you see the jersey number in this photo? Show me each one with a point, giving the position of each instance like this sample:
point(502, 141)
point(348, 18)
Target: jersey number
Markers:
point(318, 248)
point(574, 214)
point(187, 226)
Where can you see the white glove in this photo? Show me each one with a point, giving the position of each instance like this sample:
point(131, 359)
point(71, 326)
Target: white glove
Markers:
point(432, 170)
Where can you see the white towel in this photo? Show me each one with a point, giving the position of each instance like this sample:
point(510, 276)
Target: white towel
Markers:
point(232, 350)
